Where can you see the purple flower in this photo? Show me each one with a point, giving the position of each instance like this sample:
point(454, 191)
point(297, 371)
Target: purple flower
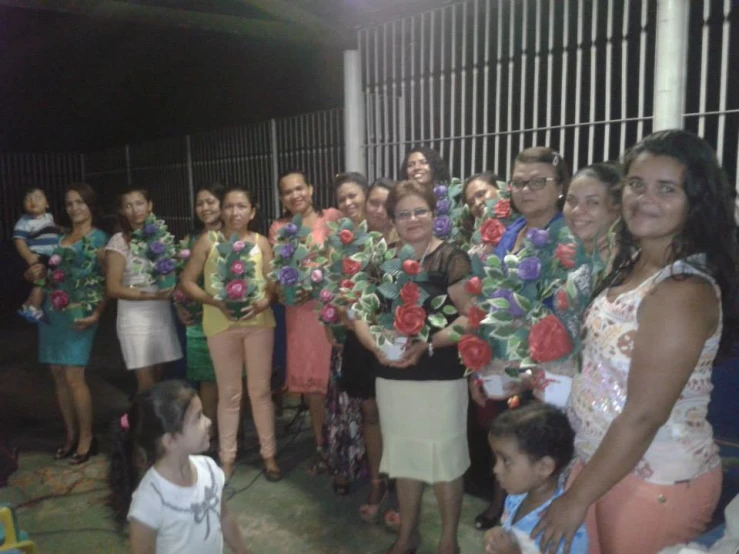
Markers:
point(443, 205)
point(440, 191)
point(529, 268)
point(442, 226)
point(150, 228)
point(290, 229)
point(165, 266)
point(287, 251)
point(513, 307)
point(288, 276)
point(538, 237)
point(157, 248)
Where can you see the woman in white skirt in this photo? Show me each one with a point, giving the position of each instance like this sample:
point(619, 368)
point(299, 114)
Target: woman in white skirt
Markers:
point(145, 325)
point(422, 398)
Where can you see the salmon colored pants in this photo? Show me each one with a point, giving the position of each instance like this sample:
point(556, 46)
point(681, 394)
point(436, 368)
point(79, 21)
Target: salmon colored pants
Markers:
point(636, 516)
point(230, 350)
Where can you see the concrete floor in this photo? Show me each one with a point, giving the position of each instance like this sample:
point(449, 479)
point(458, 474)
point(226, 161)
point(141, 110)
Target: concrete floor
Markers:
point(63, 508)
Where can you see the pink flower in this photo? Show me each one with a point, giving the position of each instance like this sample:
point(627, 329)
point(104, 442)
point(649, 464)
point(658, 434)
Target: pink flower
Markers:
point(329, 314)
point(184, 254)
point(238, 267)
point(58, 276)
point(316, 276)
point(56, 259)
point(326, 296)
point(238, 246)
point(179, 296)
point(59, 300)
point(236, 289)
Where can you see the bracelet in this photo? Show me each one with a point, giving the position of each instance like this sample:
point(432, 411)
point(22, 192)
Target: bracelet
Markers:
point(431, 349)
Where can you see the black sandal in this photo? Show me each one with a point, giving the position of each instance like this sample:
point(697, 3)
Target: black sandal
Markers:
point(65, 452)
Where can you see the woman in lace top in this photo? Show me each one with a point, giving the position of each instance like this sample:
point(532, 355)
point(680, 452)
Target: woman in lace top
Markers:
point(422, 398)
point(646, 455)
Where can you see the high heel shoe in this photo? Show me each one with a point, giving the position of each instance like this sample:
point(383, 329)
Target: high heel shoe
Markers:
point(78, 459)
point(370, 513)
point(65, 451)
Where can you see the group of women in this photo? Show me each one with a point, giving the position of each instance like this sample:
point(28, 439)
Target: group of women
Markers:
point(645, 451)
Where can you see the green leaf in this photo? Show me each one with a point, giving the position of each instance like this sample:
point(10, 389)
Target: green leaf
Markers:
point(503, 331)
point(388, 290)
point(438, 302)
point(500, 303)
point(406, 253)
point(478, 268)
point(528, 362)
point(424, 334)
point(301, 253)
point(449, 310)
point(454, 336)
point(437, 320)
point(391, 266)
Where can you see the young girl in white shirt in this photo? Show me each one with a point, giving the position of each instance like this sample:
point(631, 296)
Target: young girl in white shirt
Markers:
point(178, 505)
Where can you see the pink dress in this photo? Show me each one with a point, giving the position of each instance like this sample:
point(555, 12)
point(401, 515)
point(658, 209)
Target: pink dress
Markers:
point(308, 350)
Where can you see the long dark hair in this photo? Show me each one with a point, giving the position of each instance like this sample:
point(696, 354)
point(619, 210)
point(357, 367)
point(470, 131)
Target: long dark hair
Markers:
point(609, 173)
point(122, 219)
point(468, 221)
point(439, 168)
point(256, 222)
point(709, 229)
point(137, 438)
point(216, 189)
point(89, 197)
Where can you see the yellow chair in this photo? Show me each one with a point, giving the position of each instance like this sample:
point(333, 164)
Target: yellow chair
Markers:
point(12, 539)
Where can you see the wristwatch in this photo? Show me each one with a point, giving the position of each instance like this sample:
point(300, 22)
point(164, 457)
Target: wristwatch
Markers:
point(431, 349)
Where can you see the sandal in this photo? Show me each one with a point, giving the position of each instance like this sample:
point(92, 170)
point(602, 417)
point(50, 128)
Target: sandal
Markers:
point(272, 473)
point(370, 513)
point(65, 451)
point(318, 465)
point(341, 489)
point(392, 520)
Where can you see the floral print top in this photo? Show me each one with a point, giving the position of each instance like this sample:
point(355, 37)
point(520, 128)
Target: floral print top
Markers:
point(683, 447)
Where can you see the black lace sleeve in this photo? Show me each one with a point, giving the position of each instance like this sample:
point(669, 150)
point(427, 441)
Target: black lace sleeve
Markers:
point(450, 263)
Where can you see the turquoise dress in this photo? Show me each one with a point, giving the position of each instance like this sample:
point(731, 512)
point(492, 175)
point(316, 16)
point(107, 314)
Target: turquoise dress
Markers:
point(59, 343)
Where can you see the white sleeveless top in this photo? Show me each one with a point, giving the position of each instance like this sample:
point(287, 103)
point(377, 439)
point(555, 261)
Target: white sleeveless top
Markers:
point(683, 447)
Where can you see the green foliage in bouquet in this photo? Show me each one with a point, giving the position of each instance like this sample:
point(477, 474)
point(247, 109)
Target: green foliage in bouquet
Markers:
point(74, 281)
point(154, 243)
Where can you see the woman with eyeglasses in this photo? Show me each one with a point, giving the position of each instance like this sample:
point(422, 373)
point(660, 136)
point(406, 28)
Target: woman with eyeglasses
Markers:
point(422, 398)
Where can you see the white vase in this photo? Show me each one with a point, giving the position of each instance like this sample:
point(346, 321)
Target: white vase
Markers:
point(553, 388)
point(394, 348)
point(497, 385)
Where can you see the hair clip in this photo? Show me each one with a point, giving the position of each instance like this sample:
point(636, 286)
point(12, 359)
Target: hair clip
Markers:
point(555, 159)
point(124, 422)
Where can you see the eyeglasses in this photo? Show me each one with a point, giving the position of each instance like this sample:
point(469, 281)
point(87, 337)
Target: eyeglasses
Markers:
point(418, 213)
point(537, 183)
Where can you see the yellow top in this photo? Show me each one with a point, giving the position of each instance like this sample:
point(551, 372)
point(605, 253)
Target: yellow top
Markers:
point(214, 321)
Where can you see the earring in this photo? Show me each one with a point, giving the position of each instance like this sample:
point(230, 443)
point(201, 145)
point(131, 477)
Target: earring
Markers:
point(561, 196)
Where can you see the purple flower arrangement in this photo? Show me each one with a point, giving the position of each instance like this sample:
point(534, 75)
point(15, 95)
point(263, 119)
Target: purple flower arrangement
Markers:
point(235, 276)
point(154, 243)
point(450, 211)
point(294, 262)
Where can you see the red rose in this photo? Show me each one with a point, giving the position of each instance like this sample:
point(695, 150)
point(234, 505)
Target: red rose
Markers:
point(409, 294)
point(59, 300)
point(492, 231)
point(549, 340)
point(346, 284)
point(409, 320)
point(565, 253)
point(473, 286)
point(502, 208)
point(350, 267)
point(411, 267)
point(475, 315)
point(346, 236)
point(561, 300)
point(474, 351)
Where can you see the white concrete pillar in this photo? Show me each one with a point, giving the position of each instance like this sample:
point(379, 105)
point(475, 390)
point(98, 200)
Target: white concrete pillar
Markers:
point(354, 132)
point(670, 63)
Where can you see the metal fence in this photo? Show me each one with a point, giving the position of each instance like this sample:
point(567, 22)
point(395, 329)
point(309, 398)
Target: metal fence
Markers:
point(253, 155)
point(50, 172)
point(480, 80)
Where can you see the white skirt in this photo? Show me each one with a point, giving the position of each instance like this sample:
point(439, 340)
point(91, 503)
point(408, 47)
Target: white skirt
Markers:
point(424, 429)
point(147, 333)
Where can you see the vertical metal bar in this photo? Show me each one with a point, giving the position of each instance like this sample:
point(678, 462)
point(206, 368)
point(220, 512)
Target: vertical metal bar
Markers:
point(498, 81)
point(642, 69)
point(379, 134)
point(537, 68)
point(396, 124)
point(442, 85)
point(475, 76)
point(550, 63)
point(274, 156)
point(422, 74)
point(609, 92)
point(723, 87)
point(432, 71)
point(486, 89)
point(593, 80)
point(704, 67)
point(511, 67)
point(524, 63)
point(386, 103)
point(578, 85)
point(452, 99)
point(624, 76)
point(463, 92)
point(565, 60)
point(414, 116)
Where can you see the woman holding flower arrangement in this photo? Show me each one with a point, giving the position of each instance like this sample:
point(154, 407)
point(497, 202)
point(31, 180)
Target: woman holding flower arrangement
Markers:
point(308, 349)
point(238, 321)
point(140, 274)
point(422, 393)
point(646, 455)
point(74, 302)
point(425, 166)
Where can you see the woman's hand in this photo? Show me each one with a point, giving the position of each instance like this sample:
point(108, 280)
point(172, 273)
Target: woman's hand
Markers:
point(411, 355)
point(35, 273)
point(477, 392)
point(559, 522)
point(500, 541)
point(331, 338)
point(184, 315)
point(221, 305)
point(164, 294)
point(82, 323)
point(256, 308)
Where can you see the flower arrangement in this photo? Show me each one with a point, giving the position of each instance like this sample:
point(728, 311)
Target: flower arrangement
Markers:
point(179, 297)
point(234, 278)
point(406, 312)
point(489, 228)
point(450, 212)
point(74, 282)
point(352, 259)
point(512, 315)
point(290, 266)
point(154, 243)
